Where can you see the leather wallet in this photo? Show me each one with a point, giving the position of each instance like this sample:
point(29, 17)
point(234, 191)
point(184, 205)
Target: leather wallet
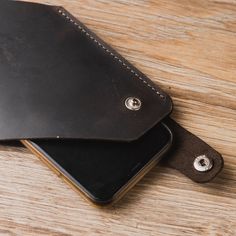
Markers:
point(58, 80)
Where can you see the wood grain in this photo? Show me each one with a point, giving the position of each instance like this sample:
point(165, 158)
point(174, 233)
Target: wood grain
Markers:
point(189, 49)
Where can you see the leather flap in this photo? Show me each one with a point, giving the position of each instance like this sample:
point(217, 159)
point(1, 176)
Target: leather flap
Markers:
point(59, 80)
point(188, 150)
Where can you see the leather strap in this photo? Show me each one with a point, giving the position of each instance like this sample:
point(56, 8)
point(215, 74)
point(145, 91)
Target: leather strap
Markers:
point(186, 148)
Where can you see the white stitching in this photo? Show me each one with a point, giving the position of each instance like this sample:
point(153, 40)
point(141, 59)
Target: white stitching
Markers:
point(108, 51)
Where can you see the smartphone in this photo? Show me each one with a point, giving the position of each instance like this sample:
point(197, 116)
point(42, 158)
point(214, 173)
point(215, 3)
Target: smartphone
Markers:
point(103, 170)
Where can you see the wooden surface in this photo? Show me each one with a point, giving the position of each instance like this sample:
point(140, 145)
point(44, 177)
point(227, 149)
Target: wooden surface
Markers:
point(189, 49)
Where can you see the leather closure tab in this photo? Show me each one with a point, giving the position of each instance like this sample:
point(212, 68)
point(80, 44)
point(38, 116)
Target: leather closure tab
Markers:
point(185, 151)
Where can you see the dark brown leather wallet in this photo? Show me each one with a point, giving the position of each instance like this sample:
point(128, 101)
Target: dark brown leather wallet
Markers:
point(58, 80)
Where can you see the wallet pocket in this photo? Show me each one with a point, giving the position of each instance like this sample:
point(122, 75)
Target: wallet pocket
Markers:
point(58, 80)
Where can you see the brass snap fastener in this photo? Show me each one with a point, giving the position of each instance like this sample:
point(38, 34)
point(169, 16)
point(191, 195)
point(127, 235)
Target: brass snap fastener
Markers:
point(202, 163)
point(133, 103)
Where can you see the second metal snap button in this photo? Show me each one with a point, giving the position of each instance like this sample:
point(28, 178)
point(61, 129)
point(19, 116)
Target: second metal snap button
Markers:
point(133, 103)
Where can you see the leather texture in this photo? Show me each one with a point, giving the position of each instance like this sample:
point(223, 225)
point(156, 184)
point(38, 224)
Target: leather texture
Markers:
point(185, 148)
point(59, 80)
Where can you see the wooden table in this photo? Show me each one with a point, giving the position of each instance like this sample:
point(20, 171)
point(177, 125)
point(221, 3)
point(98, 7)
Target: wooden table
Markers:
point(189, 49)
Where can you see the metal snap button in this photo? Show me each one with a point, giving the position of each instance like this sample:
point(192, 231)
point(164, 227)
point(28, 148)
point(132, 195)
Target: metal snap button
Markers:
point(133, 103)
point(202, 163)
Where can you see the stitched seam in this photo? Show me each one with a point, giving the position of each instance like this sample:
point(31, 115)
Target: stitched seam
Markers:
point(66, 16)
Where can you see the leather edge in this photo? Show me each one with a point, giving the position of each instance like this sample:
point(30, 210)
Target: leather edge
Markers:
point(186, 148)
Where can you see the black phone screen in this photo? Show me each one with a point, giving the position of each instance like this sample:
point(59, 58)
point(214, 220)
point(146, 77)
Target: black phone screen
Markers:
point(102, 168)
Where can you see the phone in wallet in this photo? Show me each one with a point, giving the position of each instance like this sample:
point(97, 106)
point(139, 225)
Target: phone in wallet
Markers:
point(103, 170)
